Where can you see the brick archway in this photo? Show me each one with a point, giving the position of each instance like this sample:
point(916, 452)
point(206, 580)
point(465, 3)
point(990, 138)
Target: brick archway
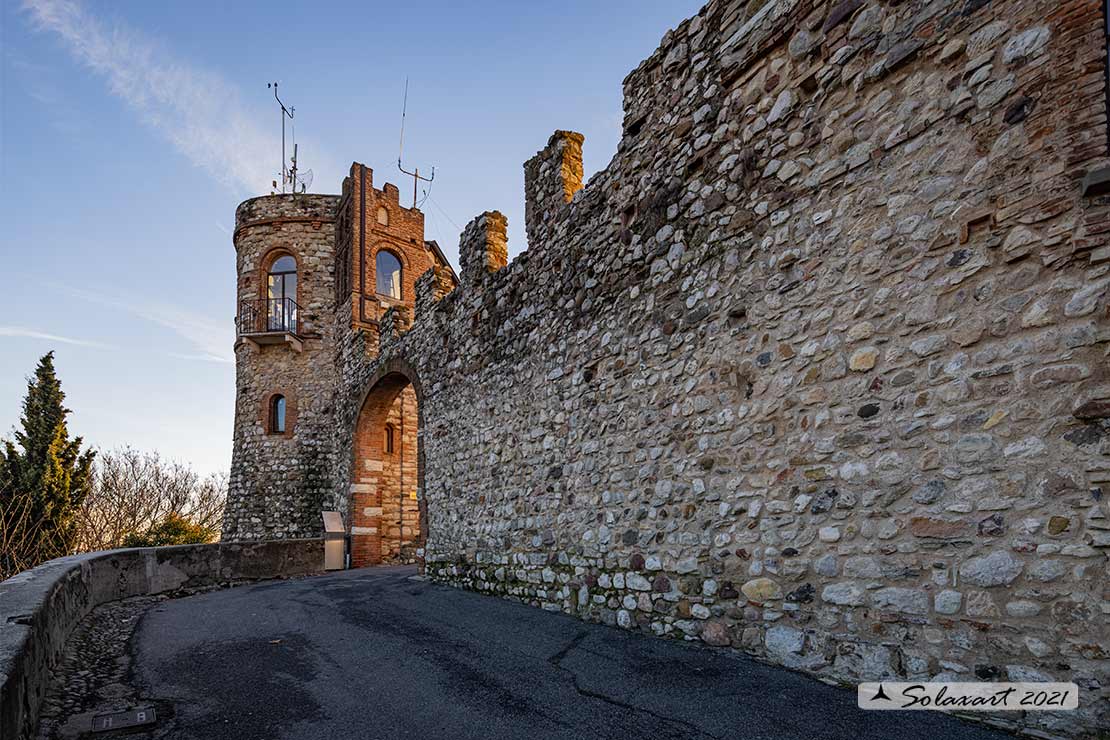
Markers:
point(387, 522)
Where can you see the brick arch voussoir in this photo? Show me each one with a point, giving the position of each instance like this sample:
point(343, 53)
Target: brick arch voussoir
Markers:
point(391, 366)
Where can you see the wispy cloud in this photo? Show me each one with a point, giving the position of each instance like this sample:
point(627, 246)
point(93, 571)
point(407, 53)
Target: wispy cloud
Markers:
point(211, 339)
point(198, 111)
point(39, 82)
point(198, 358)
point(25, 333)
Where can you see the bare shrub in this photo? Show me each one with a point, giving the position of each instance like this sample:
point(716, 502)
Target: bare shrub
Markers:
point(19, 533)
point(133, 492)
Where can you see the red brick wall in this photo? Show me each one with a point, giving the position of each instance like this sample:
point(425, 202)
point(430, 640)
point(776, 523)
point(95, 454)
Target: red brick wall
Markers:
point(403, 236)
point(384, 513)
point(400, 525)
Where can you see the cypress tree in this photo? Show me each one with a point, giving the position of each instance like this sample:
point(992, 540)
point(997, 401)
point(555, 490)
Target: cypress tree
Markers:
point(45, 473)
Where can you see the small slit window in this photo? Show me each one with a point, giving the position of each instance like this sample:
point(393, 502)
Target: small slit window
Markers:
point(277, 415)
point(388, 269)
point(389, 439)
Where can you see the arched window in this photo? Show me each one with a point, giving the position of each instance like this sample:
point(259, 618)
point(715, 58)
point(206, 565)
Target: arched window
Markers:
point(389, 439)
point(383, 216)
point(277, 415)
point(388, 269)
point(281, 295)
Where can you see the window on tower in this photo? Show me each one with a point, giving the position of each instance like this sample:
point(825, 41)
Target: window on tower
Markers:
point(281, 295)
point(277, 415)
point(388, 269)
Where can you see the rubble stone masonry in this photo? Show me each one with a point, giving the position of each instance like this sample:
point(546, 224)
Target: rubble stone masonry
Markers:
point(292, 469)
point(816, 368)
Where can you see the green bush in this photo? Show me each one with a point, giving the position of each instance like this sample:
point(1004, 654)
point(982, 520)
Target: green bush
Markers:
point(173, 530)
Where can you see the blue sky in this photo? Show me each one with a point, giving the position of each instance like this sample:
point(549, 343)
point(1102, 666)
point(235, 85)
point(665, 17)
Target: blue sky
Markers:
point(129, 131)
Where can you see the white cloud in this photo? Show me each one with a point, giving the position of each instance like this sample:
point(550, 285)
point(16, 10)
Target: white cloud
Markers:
point(199, 112)
point(211, 339)
point(23, 332)
point(214, 339)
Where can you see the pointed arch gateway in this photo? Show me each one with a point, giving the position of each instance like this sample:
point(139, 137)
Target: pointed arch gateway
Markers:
point(386, 515)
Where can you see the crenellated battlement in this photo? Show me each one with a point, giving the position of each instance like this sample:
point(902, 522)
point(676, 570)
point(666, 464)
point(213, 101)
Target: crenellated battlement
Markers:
point(483, 248)
point(815, 368)
point(431, 288)
point(394, 322)
point(551, 178)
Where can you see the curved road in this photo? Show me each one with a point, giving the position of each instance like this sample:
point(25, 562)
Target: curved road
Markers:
point(375, 654)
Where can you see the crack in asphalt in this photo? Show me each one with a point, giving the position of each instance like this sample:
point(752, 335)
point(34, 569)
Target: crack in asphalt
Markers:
point(456, 663)
point(556, 660)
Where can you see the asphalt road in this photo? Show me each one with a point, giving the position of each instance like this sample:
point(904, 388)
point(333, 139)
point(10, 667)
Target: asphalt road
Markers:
point(373, 654)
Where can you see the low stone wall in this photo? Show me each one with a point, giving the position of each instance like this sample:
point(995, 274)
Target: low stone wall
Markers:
point(40, 607)
point(685, 605)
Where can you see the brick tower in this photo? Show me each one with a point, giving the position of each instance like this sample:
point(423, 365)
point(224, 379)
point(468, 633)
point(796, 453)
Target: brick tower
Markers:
point(380, 254)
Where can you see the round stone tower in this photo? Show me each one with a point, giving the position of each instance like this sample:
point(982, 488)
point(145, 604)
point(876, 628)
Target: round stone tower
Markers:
point(282, 454)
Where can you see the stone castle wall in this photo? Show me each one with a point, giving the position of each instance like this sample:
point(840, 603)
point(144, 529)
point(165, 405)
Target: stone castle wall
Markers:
point(816, 368)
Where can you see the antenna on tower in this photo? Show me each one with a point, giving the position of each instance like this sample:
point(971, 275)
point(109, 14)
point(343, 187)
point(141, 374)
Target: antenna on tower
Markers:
point(300, 181)
point(415, 174)
point(285, 112)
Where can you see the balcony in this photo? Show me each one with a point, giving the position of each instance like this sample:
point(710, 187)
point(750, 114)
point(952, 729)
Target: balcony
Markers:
point(269, 321)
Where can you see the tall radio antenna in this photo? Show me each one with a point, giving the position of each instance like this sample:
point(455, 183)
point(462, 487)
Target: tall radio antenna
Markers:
point(415, 174)
point(285, 112)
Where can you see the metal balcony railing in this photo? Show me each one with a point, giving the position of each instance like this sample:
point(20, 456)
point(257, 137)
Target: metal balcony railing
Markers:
point(267, 316)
